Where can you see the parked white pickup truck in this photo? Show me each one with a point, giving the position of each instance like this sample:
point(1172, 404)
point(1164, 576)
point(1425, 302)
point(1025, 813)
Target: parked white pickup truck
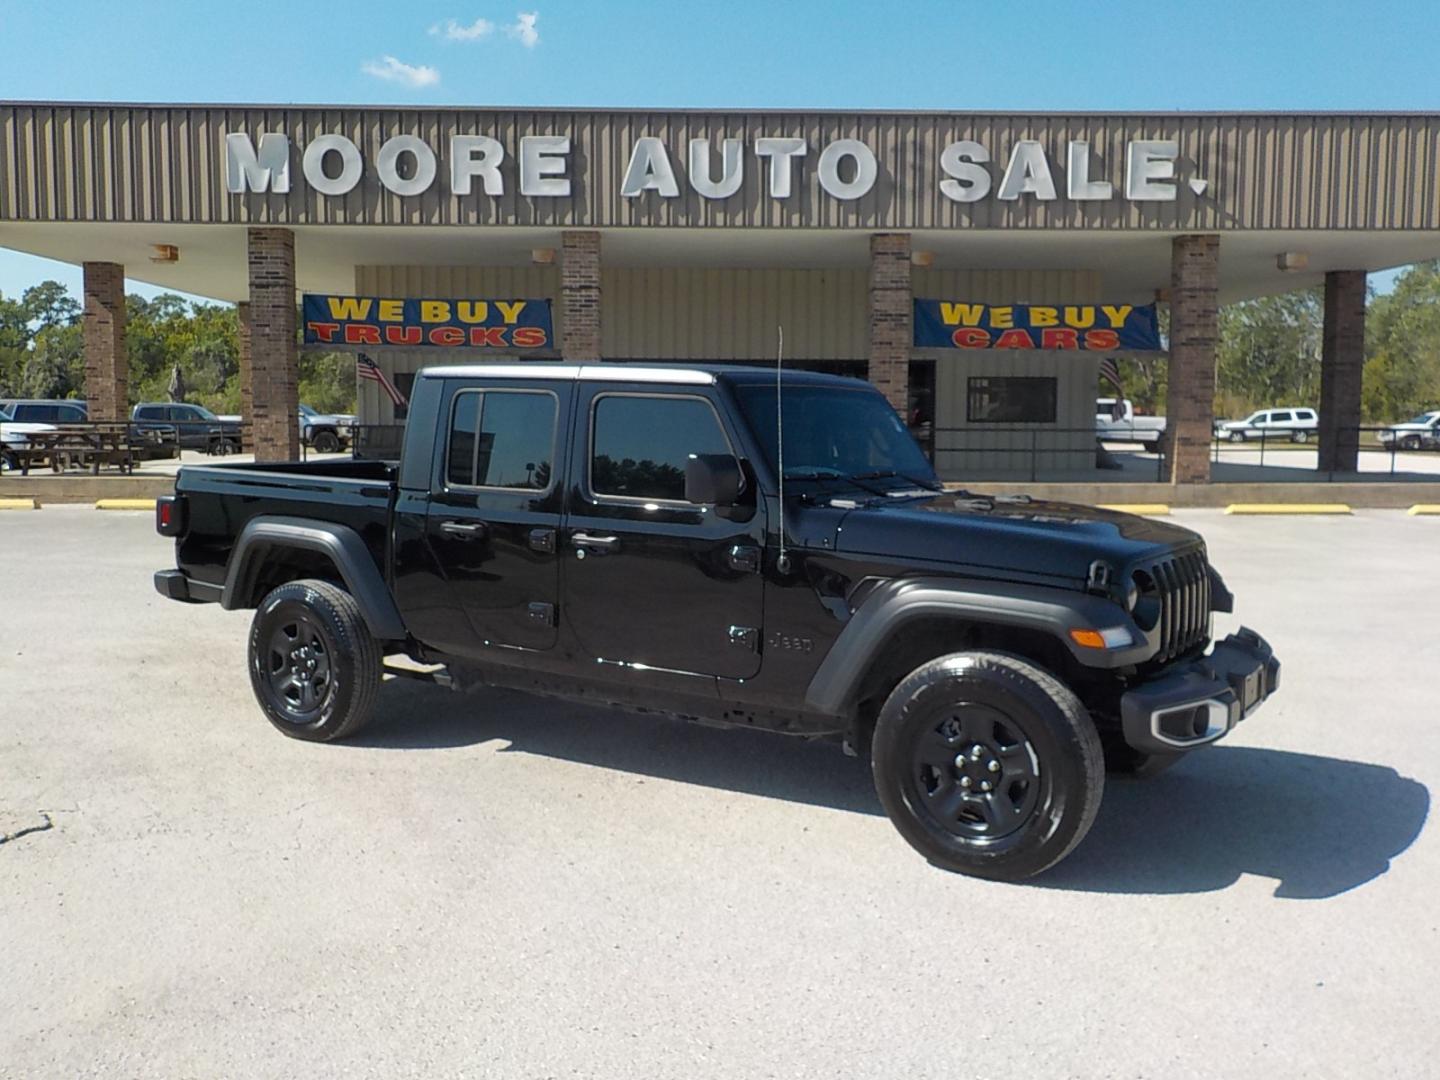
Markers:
point(1115, 421)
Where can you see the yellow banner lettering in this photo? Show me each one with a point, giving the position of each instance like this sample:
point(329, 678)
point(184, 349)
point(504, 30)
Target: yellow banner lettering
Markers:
point(472, 311)
point(962, 314)
point(510, 309)
point(1044, 316)
point(392, 311)
point(1082, 318)
point(434, 311)
point(348, 307)
point(1002, 318)
point(1117, 313)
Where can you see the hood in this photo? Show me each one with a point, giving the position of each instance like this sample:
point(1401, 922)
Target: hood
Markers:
point(11, 427)
point(1013, 535)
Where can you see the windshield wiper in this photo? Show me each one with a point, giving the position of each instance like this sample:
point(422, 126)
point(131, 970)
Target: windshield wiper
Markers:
point(885, 474)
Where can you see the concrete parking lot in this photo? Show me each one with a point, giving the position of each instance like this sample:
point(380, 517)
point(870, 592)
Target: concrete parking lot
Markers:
point(491, 885)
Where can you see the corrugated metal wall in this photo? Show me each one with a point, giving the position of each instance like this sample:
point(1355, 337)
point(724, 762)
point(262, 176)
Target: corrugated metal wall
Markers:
point(166, 164)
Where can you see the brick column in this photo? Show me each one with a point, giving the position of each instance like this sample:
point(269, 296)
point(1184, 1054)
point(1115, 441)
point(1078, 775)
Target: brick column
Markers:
point(242, 341)
point(1194, 327)
point(1342, 361)
point(580, 295)
point(891, 313)
point(274, 400)
point(103, 333)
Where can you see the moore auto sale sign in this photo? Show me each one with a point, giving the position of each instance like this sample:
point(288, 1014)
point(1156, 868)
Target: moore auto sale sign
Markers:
point(544, 167)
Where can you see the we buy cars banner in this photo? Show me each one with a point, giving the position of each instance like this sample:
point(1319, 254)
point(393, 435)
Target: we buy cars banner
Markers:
point(338, 321)
point(944, 324)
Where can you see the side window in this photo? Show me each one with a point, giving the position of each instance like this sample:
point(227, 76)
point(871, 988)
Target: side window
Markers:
point(1304, 414)
point(639, 444)
point(501, 439)
point(1280, 417)
point(148, 412)
point(71, 414)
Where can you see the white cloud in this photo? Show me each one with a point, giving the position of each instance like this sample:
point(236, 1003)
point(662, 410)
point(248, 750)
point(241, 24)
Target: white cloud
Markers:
point(392, 70)
point(523, 28)
point(451, 30)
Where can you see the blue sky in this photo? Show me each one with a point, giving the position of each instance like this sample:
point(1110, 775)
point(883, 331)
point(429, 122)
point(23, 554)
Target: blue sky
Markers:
point(1155, 55)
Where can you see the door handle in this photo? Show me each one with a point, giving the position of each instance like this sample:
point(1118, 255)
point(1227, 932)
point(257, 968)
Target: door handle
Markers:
point(465, 530)
point(585, 541)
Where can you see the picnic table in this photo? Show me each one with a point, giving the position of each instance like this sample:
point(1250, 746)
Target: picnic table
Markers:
point(83, 445)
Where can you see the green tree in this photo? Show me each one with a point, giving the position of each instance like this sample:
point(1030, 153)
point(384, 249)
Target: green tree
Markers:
point(1402, 345)
point(1269, 352)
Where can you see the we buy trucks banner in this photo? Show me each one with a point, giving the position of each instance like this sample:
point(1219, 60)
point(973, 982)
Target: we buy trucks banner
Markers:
point(943, 324)
point(446, 323)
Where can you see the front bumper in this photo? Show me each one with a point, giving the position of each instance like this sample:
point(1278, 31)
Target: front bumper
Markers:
point(1199, 702)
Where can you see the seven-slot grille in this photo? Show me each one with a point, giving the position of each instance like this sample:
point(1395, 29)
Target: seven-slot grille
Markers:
point(1183, 584)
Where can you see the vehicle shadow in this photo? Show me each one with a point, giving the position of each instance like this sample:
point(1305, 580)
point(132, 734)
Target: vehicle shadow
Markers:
point(1319, 826)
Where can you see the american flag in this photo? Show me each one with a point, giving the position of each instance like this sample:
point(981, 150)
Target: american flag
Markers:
point(366, 368)
point(1110, 372)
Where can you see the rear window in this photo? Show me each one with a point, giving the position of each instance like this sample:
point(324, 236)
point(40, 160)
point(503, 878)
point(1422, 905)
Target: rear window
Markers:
point(501, 439)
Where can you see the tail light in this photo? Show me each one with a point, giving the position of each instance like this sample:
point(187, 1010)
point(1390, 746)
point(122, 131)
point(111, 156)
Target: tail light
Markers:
point(170, 515)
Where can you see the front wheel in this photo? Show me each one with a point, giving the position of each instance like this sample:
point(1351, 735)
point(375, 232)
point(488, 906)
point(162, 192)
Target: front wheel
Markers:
point(314, 665)
point(1410, 442)
point(326, 442)
point(988, 765)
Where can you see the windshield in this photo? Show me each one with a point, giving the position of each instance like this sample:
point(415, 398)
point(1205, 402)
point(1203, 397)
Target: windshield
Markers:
point(5, 415)
point(835, 431)
point(307, 411)
point(1423, 418)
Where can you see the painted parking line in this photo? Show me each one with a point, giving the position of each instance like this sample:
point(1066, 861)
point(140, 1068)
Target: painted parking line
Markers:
point(125, 504)
point(1287, 508)
point(20, 504)
point(1424, 508)
point(1147, 509)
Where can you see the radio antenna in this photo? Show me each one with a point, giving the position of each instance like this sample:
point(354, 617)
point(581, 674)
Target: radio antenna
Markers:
point(782, 560)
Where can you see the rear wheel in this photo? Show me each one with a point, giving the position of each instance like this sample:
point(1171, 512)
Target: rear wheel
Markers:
point(988, 765)
point(1300, 436)
point(314, 666)
point(1237, 436)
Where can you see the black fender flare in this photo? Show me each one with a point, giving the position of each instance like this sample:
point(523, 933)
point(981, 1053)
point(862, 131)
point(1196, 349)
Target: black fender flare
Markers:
point(1054, 612)
point(340, 543)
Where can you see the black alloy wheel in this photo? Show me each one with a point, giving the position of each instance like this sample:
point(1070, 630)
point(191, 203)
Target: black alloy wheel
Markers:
point(976, 773)
point(988, 765)
point(314, 666)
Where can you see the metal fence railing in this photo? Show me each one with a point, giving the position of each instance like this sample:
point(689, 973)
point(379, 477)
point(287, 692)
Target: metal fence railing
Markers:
point(1377, 449)
point(1033, 451)
point(91, 445)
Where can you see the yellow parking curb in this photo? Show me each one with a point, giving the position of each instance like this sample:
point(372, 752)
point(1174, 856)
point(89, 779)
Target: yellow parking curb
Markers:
point(1287, 508)
point(125, 504)
point(20, 504)
point(1148, 509)
point(1424, 508)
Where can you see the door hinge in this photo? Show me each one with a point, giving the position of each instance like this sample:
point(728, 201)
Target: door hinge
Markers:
point(746, 637)
point(544, 614)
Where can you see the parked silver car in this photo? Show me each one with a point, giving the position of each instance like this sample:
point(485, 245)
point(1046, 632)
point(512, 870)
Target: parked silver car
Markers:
point(1296, 422)
point(1421, 433)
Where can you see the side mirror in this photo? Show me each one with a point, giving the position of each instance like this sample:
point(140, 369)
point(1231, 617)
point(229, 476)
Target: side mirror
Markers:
point(712, 480)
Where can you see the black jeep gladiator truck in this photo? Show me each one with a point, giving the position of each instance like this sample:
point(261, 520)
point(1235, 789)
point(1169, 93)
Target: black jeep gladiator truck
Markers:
point(729, 544)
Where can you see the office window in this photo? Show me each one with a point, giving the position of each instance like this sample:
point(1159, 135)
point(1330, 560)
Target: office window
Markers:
point(1010, 399)
point(501, 440)
point(640, 445)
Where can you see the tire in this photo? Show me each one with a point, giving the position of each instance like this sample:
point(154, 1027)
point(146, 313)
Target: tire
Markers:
point(1237, 436)
point(1151, 447)
point(1003, 717)
point(314, 666)
point(1300, 436)
point(326, 442)
point(8, 462)
point(1410, 442)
